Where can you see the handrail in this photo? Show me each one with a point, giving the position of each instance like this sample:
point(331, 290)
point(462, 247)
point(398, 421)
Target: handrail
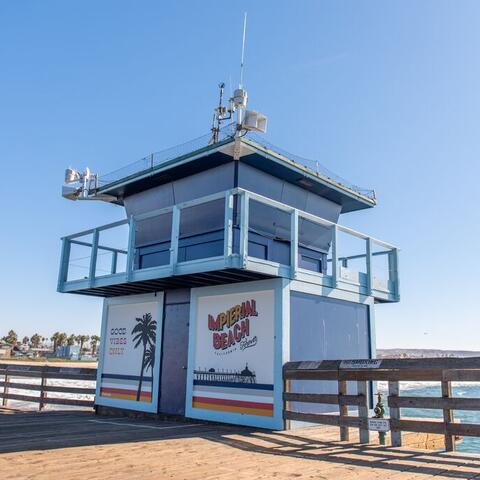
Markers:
point(45, 373)
point(444, 370)
point(236, 191)
point(240, 259)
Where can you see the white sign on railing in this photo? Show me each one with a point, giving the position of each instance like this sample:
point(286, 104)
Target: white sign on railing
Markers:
point(369, 363)
point(379, 424)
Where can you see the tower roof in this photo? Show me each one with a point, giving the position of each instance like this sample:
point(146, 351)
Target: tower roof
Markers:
point(198, 155)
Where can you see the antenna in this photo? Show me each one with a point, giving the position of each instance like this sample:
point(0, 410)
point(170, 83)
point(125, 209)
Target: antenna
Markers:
point(243, 49)
point(246, 121)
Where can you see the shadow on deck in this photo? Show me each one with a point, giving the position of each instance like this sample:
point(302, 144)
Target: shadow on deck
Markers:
point(235, 448)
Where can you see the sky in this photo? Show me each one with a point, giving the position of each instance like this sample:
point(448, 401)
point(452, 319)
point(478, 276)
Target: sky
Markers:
point(385, 94)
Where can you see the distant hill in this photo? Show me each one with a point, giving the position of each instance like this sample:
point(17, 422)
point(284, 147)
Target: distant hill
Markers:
point(423, 353)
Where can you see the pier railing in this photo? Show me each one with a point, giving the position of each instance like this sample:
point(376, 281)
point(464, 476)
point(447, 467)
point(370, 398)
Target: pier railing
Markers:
point(356, 375)
point(40, 385)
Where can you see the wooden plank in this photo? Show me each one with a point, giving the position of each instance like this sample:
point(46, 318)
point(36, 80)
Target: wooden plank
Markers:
point(342, 390)
point(23, 398)
point(70, 401)
point(311, 375)
point(421, 364)
point(325, 398)
point(364, 433)
point(51, 401)
point(325, 419)
point(464, 429)
point(462, 375)
point(50, 388)
point(396, 436)
point(419, 426)
point(447, 416)
point(457, 403)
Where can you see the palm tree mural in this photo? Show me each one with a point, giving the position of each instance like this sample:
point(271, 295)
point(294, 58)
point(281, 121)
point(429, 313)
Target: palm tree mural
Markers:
point(145, 334)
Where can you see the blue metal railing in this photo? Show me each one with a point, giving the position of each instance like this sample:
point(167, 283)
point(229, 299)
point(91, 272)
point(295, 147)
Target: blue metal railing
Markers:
point(341, 275)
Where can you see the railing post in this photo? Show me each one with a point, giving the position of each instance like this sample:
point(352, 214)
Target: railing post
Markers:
point(362, 389)
point(447, 417)
point(64, 261)
point(293, 243)
point(131, 248)
point(342, 390)
point(174, 238)
point(287, 386)
point(43, 393)
point(113, 268)
point(5, 387)
point(394, 391)
point(393, 271)
point(93, 257)
point(244, 226)
point(228, 226)
point(368, 264)
point(334, 256)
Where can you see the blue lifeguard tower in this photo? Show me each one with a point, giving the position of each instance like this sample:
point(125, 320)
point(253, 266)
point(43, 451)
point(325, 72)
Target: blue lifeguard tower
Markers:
point(230, 262)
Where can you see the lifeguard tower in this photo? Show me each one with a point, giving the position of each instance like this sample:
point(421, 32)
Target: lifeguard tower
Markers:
point(230, 262)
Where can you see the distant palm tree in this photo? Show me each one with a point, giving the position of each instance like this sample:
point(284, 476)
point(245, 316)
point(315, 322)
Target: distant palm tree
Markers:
point(71, 339)
point(145, 334)
point(54, 339)
point(81, 340)
point(94, 339)
point(35, 339)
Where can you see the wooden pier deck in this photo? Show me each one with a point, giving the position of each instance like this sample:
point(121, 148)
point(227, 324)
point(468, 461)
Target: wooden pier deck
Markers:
point(80, 445)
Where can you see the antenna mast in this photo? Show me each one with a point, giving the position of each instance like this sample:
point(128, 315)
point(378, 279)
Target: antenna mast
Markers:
point(251, 120)
point(243, 49)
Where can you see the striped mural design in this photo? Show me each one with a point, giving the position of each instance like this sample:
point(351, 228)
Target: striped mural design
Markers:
point(125, 387)
point(244, 398)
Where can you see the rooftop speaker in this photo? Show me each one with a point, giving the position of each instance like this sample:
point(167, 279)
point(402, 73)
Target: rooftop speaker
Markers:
point(254, 121)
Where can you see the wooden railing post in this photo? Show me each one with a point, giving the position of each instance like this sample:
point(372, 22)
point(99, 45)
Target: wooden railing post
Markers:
point(447, 416)
point(287, 387)
point(43, 393)
point(342, 390)
point(393, 391)
point(5, 388)
point(362, 389)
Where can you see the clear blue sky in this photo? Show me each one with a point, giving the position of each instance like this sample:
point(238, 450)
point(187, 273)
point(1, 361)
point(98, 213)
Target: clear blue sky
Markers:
point(386, 94)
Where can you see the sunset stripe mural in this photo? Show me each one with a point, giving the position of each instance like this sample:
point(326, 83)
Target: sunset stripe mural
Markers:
point(248, 399)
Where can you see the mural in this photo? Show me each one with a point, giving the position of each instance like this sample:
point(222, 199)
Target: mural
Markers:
point(234, 348)
point(129, 352)
point(145, 334)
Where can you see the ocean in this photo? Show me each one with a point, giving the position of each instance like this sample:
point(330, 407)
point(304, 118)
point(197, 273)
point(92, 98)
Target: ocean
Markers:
point(432, 389)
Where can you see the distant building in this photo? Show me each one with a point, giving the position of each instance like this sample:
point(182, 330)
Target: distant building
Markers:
point(5, 350)
point(70, 352)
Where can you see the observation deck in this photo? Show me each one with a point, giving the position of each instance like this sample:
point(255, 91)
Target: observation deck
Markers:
point(121, 258)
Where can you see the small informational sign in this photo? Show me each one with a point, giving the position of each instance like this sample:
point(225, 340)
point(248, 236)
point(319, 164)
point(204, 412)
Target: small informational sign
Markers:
point(372, 363)
point(309, 365)
point(379, 424)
